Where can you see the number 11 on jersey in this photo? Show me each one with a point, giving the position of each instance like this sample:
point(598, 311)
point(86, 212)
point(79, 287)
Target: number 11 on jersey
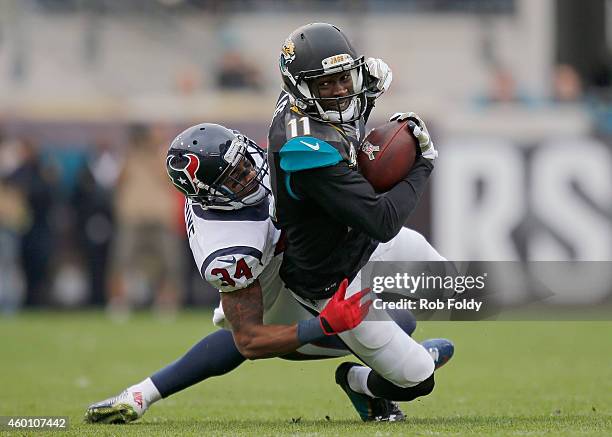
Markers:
point(293, 125)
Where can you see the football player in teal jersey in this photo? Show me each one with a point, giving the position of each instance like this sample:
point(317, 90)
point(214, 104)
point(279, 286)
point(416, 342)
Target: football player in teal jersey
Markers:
point(334, 220)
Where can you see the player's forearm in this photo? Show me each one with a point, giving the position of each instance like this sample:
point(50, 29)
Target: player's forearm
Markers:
point(387, 214)
point(256, 340)
point(244, 311)
point(347, 196)
point(266, 341)
point(404, 198)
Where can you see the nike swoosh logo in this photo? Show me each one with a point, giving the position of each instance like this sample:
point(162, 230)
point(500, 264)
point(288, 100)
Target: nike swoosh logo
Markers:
point(232, 260)
point(315, 147)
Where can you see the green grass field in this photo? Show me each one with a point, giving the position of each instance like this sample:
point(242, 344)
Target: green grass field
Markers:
point(507, 378)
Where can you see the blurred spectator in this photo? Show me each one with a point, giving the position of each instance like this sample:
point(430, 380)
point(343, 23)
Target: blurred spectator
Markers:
point(37, 182)
point(567, 84)
point(503, 88)
point(188, 80)
point(95, 218)
point(235, 72)
point(13, 220)
point(147, 251)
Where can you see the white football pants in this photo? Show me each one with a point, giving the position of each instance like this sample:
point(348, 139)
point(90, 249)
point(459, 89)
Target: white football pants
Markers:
point(378, 341)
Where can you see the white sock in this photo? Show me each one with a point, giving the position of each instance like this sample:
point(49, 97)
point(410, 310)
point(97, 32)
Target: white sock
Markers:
point(358, 380)
point(149, 391)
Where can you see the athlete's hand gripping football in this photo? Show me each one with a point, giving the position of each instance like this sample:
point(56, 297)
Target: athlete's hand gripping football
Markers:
point(420, 132)
point(341, 314)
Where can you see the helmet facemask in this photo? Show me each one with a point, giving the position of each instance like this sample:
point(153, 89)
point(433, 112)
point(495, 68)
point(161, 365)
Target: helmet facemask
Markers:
point(242, 182)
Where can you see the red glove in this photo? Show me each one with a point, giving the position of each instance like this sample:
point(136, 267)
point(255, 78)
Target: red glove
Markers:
point(342, 314)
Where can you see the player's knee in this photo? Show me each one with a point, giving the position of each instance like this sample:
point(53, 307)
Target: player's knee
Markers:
point(423, 366)
point(388, 390)
point(422, 388)
point(416, 370)
point(425, 387)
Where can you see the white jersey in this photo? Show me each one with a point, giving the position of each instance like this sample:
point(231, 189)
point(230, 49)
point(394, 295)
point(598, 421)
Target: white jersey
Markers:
point(233, 248)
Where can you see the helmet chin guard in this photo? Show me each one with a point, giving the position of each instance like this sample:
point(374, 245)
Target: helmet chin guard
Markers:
point(351, 113)
point(225, 203)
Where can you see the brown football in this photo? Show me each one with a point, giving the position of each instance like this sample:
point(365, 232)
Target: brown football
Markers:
point(387, 154)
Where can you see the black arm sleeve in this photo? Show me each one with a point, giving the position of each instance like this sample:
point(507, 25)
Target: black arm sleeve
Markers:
point(348, 197)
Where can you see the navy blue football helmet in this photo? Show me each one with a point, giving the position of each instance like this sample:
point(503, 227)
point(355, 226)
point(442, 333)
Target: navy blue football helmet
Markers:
point(217, 167)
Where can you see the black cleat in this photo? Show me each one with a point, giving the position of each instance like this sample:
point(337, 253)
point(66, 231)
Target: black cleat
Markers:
point(369, 409)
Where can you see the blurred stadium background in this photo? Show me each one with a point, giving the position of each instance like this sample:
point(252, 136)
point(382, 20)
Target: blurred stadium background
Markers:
point(517, 94)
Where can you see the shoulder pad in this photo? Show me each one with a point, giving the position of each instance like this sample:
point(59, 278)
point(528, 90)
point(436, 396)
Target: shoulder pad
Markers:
point(303, 153)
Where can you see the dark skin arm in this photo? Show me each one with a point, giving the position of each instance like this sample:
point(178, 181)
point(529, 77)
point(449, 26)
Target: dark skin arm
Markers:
point(244, 310)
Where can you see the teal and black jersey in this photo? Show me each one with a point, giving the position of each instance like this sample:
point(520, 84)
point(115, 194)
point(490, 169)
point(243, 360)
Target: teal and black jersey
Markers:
point(332, 217)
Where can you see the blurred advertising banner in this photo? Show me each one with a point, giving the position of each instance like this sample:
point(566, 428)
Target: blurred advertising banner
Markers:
point(499, 200)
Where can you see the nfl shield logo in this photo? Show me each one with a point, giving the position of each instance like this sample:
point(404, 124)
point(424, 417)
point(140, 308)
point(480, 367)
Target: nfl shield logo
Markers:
point(369, 149)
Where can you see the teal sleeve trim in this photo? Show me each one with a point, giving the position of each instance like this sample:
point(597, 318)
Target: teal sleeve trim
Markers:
point(288, 186)
point(304, 153)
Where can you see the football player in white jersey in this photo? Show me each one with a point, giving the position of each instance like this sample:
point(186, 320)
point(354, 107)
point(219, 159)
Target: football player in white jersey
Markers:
point(238, 250)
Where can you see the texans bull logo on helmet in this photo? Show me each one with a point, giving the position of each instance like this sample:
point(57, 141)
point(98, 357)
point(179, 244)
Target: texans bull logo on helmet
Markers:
point(182, 170)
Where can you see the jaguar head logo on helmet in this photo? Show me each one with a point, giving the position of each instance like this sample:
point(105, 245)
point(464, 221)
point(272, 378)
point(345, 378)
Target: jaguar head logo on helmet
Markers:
point(217, 167)
point(288, 51)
